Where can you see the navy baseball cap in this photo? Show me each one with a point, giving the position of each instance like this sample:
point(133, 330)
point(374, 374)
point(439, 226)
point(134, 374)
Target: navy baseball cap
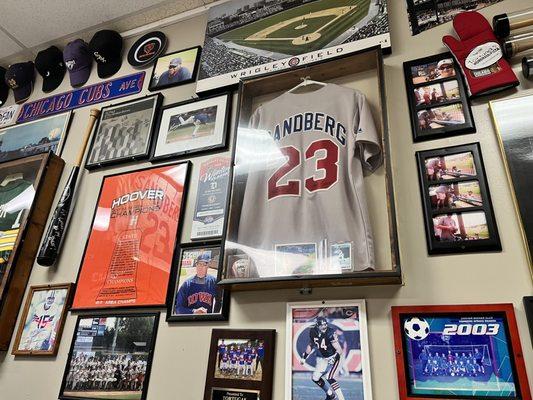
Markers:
point(106, 48)
point(205, 257)
point(4, 89)
point(49, 64)
point(20, 77)
point(78, 59)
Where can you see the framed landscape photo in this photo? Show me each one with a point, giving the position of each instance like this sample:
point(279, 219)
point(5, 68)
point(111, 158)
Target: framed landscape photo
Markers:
point(41, 324)
point(241, 364)
point(110, 357)
point(455, 195)
point(194, 294)
point(124, 132)
point(459, 352)
point(438, 102)
point(192, 127)
point(35, 137)
point(174, 69)
point(327, 351)
point(128, 255)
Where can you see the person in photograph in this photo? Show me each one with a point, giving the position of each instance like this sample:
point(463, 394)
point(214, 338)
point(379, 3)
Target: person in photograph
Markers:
point(442, 197)
point(199, 120)
point(434, 96)
point(446, 227)
point(433, 168)
point(176, 73)
point(427, 96)
point(446, 68)
point(199, 294)
point(41, 332)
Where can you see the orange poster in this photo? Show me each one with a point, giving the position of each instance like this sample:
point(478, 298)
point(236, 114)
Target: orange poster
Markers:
point(129, 252)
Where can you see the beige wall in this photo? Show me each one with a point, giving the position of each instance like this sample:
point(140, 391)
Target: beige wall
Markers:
point(181, 350)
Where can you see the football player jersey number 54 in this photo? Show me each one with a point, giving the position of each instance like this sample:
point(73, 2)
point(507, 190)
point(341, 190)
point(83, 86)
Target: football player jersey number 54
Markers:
point(328, 164)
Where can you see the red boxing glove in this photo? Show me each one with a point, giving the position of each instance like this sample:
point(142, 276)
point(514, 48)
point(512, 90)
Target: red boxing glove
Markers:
point(480, 55)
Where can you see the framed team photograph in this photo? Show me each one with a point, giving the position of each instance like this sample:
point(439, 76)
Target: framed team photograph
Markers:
point(241, 365)
point(41, 323)
point(34, 137)
point(174, 69)
point(456, 200)
point(124, 132)
point(438, 103)
point(110, 357)
point(459, 352)
point(326, 353)
point(194, 294)
point(193, 127)
point(129, 251)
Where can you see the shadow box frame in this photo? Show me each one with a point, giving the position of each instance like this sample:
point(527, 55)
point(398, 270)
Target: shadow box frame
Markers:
point(515, 349)
point(264, 387)
point(174, 273)
point(362, 61)
point(465, 246)
point(22, 257)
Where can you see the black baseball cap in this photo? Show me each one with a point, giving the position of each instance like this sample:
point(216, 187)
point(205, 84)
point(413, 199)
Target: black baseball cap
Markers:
point(4, 89)
point(20, 77)
point(49, 64)
point(106, 48)
point(79, 62)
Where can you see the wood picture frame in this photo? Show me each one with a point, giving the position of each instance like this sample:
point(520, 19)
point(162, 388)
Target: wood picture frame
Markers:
point(184, 55)
point(177, 282)
point(259, 384)
point(456, 201)
point(45, 171)
point(435, 117)
point(56, 329)
point(456, 330)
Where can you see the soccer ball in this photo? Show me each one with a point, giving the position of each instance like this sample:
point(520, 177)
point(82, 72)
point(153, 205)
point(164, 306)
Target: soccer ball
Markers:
point(416, 328)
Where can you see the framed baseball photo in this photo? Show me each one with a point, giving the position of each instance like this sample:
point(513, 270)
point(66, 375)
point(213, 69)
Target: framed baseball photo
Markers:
point(456, 199)
point(128, 254)
point(194, 294)
point(241, 365)
point(438, 102)
point(327, 351)
point(124, 132)
point(459, 352)
point(174, 69)
point(110, 357)
point(192, 127)
point(41, 324)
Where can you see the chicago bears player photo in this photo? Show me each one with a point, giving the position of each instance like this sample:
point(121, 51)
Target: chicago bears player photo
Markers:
point(327, 355)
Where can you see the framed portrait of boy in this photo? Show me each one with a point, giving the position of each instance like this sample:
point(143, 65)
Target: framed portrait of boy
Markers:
point(324, 338)
point(192, 127)
point(459, 352)
point(41, 324)
point(194, 294)
point(176, 68)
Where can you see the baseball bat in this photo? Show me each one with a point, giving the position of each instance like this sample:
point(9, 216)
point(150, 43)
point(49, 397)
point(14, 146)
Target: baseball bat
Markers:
point(53, 239)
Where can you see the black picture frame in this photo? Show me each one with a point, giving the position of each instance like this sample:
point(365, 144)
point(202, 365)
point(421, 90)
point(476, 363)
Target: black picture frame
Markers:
point(452, 204)
point(528, 307)
point(174, 282)
point(108, 315)
point(194, 72)
point(456, 105)
point(157, 98)
point(200, 150)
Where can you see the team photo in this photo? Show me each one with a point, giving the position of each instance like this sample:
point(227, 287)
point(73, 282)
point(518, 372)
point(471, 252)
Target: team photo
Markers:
point(240, 359)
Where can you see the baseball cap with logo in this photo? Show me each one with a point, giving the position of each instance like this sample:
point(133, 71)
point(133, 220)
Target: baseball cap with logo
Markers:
point(204, 257)
point(20, 77)
point(78, 59)
point(4, 89)
point(49, 64)
point(106, 48)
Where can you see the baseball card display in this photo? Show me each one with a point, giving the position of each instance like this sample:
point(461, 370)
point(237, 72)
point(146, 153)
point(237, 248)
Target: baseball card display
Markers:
point(128, 255)
point(177, 68)
point(240, 365)
point(41, 136)
point(124, 132)
point(327, 351)
point(191, 127)
point(42, 320)
point(245, 38)
point(195, 294)
point(448, 352)
point(301, 153)
point(438, 102)
point(457, 207)
point(110, 357)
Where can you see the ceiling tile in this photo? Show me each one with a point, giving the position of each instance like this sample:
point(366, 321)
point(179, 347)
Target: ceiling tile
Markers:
point(8, 46)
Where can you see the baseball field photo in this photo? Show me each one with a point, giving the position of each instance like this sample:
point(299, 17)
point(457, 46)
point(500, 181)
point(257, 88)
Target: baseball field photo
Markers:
point(192, 125)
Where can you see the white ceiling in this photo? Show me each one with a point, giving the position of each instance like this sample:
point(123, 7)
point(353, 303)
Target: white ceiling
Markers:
point(28, 26)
